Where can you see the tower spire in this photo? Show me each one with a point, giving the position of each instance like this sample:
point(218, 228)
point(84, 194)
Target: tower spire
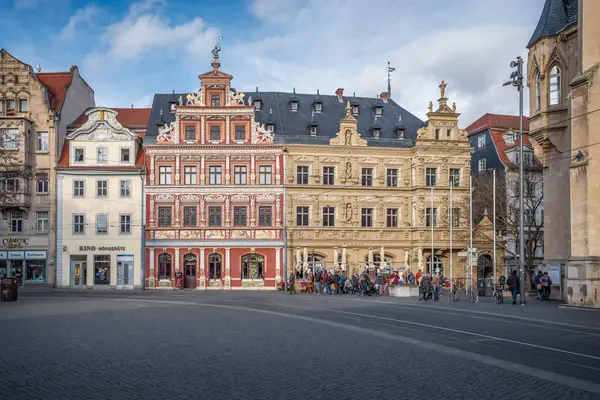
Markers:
point(389, 79)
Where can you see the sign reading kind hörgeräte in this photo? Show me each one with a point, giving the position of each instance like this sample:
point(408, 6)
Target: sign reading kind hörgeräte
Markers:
point(101, 248)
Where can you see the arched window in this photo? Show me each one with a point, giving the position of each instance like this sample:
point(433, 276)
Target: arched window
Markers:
point(253, 266)
point(554, 85)
point(438, 266)
point(164, 267)
point(538, 90)
point(214, 266)
point(485, 267)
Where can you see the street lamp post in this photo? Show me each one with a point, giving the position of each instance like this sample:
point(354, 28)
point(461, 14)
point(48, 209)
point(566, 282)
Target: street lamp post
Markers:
point(517, 81)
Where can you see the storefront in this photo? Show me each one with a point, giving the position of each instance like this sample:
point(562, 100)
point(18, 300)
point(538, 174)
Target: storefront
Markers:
point(102, 267)
point(29, 266)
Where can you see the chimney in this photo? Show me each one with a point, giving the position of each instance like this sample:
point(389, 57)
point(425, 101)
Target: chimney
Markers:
point(340, 95)
point(384, 96)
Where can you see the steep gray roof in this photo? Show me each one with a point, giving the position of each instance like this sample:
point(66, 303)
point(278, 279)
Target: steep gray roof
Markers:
point(557, 15)
point(291, 127)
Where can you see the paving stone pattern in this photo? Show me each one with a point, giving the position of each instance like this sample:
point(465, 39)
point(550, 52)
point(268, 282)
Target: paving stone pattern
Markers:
point(105, 349)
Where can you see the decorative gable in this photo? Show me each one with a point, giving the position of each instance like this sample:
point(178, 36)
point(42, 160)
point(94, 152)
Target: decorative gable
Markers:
point(102, 125)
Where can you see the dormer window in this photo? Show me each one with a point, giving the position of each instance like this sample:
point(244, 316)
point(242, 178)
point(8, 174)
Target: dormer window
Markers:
point(378, 111)
point(271, 127)
point(172, 103)
point(509, 138)
point(400, 133)
point(173, 107)
point(318, 107)
point(355, 110)
point(215, 100)
point(258, 105)
point(294, 105)
point(313, 131)
point(376, 133)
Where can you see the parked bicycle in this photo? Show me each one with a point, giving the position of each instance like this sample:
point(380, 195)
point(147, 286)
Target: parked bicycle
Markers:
point(455, 292)
point(472, 293)
point(498, 294)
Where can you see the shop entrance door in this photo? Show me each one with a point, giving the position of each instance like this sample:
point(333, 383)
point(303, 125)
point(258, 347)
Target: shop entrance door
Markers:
point(78, 273)
point(190, 275)
point(124, 270)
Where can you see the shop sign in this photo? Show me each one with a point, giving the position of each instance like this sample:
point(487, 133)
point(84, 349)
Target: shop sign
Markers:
point(3, 255)
point(35, 255)
point(15, 243)
point(16, 255)
point(101, 248)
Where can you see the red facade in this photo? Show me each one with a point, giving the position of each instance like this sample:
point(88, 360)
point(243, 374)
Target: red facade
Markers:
point(214, 192)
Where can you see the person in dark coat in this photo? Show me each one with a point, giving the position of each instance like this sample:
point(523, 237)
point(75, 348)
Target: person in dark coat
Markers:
point(425, 288)
point(513, 283)
point(293, 283)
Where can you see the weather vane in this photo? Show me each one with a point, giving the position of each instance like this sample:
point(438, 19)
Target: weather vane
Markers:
point(389, 69)
point(217, 48)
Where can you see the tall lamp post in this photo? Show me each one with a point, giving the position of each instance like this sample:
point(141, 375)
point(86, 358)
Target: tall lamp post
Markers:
point(517, 81)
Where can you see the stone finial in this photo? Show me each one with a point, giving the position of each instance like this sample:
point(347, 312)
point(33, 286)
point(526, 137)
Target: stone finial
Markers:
point(454, 107)
point(430, 106)
point(348, 109)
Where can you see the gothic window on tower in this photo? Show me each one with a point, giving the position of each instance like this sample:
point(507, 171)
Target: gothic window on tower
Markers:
point(538, 90)
point(554, 86)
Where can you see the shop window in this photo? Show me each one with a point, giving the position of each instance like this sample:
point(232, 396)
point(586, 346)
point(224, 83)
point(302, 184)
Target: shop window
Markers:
point(265, 216)
point(42, 142)
point(366, 219)
point(240, 216)
point(125, 224)
point(101, 269)
point(214, 266)
point(252, 266)
point(125, 188)
point(16, 221)
point(36, 271)
point(392, 217)
point(164, 267)
point(42, 222)
point(41, 183)
point(265, 173)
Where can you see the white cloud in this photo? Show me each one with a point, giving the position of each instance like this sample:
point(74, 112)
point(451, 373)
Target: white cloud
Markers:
point(144, 30)
point(347, 43)
point(83, 16)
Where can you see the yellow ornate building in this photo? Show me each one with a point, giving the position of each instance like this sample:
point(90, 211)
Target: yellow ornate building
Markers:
point(370, 187)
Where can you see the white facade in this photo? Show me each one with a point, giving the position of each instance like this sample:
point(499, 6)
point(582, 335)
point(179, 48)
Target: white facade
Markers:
point(100, 213)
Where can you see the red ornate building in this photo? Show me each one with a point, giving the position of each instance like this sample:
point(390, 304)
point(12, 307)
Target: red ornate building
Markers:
point(214, 191)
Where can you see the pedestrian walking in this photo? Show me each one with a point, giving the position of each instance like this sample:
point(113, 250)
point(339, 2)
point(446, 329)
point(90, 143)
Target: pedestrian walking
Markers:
point(293, 283)
point(513, 283)
point(546, 282)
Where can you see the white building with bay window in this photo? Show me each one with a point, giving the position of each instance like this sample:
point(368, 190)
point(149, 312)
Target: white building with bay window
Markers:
point(100, 203)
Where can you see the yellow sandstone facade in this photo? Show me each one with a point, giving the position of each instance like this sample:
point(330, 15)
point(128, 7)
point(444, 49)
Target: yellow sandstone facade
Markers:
point(362, 204)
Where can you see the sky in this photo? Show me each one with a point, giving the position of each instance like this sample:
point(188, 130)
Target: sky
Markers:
point(127, 51)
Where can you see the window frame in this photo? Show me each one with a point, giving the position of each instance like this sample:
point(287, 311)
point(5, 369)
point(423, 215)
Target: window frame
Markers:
point(265, 171)
point(455, 217)
point(216, 172)
point(538, 91)
point(237, 222)
point(215, 100)
point(165, 171)
point(481, 141)
point(75, 151)
point(39, 218)
point(328, 213)
point(190, 174)
point(557, 84)
point(366, 176)
point(302, 174)
point(240, 174)
point(328, 175)
point(366, 217)
point(392, 217)
point(16, 221)
point(236, 130)
point(21, 102)
point(44, 183)
point(42, 142)
point(480, 164)
point(98, 188)
point(262, 222)
point(430, 217)
point(127, 223)
point(78, 226)
point(128, 188)
point(98, 224)
point(451, 177)
point(391, 179)
point(302, 215)
point(104, 157)
point(218, 216)
point(431, 178)
point(216, 130)
point(189, 128)
point(193, 216)
point(121, 155)
point(169, 216)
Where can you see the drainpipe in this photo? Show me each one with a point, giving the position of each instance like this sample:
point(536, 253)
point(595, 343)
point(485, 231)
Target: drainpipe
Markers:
point(285, 242)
